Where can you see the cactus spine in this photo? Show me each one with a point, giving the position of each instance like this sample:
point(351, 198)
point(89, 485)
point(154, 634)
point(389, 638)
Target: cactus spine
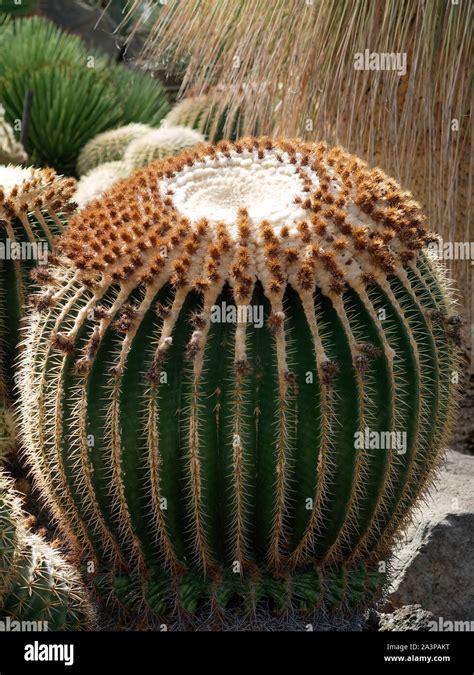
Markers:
point(176, 429)
point(36, 583)
point(108, 146)
point(160, 143)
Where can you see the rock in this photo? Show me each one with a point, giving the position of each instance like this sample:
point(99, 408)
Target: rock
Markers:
point(410, 617)
point(433, 565)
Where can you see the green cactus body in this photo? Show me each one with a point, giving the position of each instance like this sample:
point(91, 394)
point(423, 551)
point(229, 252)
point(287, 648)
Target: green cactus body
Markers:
point(11, 151)
point(34, 205)
point(199, 112)
point(228, 333)
point(36, 583)
point(98, 180)
point(108, 147)
point(160, 143)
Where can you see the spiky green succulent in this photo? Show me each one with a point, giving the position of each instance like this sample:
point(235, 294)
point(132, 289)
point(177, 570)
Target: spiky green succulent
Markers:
point(108, 146)
point(36, 583)
point(159, 143)
point(77, 92)
point(237, 381)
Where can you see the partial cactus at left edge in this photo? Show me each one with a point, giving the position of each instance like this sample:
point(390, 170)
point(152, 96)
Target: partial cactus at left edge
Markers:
point(34, 207)
point(36, 582)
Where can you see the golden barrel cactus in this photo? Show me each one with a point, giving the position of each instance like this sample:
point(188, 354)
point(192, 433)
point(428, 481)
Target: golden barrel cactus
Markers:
point(237, 379)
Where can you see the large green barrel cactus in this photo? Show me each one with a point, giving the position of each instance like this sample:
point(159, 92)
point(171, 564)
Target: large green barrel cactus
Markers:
point(239, 381)
point(36, 583)
point(34, 206)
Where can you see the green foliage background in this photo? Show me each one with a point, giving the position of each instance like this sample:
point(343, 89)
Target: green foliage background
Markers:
point(77, 92)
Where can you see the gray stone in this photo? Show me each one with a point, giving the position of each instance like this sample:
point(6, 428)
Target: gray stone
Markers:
point(434, 564)
point(410, 617)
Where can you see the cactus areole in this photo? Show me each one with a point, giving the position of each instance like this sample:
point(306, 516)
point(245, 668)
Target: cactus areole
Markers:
point(238, 383)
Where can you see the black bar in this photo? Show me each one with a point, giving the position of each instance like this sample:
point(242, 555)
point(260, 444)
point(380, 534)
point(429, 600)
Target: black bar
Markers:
point(317, 652)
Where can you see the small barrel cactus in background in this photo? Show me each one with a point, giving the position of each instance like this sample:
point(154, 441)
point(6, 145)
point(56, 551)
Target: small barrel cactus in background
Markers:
point(199, 112)
point(36, 583)
point(130, 147)
point(98, 180)
point(34, 206)
point(108, 146)
point(237, 379)
point(160, 143)
point(11, 151)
